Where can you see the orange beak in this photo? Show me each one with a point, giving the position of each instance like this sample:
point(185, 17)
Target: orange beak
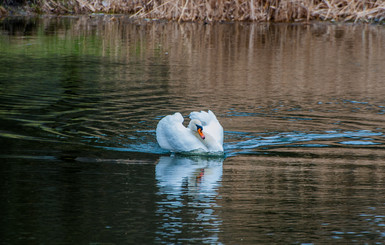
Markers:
point(201, 133)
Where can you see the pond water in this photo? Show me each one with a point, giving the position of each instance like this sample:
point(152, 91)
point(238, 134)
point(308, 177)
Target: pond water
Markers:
point(302, 106)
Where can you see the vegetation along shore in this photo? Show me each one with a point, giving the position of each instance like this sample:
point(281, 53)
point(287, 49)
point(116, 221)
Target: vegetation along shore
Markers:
point(210, 10)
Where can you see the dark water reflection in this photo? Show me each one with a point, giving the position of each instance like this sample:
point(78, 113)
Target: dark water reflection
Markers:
point(58, 202)
point(302, 107)
point(315, 201)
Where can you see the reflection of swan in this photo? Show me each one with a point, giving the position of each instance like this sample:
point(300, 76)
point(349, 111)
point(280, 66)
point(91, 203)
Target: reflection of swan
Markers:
point(203, 134)
point(187, 199)
point(197, 175)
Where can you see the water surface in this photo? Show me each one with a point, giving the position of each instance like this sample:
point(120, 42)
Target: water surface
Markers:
point(302, 107)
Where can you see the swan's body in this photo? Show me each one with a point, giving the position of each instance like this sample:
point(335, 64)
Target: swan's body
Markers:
point(203, 134)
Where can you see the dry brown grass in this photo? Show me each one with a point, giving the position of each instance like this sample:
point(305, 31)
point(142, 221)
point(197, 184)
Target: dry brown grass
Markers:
point(226, 10)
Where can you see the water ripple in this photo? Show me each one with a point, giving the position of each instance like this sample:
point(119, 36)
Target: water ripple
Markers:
point(247, 142)
point(144, 141)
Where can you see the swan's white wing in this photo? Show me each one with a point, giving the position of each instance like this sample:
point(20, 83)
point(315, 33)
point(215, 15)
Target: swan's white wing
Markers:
point(210, 125)
point(173, 136)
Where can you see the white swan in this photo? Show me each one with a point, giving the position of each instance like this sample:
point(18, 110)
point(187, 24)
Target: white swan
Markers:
point(203, 134)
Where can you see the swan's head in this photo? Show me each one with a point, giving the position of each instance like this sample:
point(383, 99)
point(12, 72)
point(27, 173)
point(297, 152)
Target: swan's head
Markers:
point(196, 126)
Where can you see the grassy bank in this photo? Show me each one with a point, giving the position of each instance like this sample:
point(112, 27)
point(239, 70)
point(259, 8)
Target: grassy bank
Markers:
point(215, 10)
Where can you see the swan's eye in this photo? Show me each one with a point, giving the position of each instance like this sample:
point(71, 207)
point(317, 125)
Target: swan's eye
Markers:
point(199, 127)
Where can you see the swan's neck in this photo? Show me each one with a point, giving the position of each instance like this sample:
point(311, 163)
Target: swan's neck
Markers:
point(209, 142)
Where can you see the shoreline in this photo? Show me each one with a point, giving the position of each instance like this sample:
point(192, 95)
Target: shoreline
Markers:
point(272, 11)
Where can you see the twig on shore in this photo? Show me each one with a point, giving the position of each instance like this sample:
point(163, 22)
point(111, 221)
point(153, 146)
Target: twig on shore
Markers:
point(224, 10)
